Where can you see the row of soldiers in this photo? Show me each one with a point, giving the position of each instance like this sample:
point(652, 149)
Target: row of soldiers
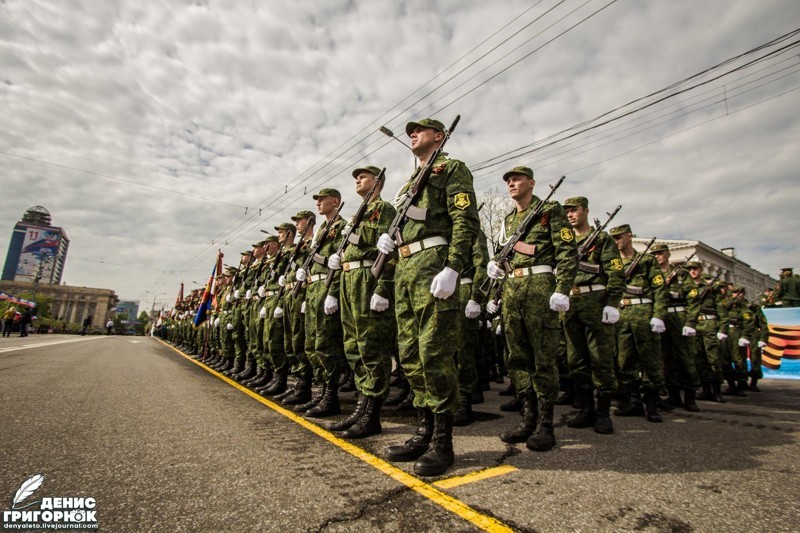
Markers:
point(312, 303)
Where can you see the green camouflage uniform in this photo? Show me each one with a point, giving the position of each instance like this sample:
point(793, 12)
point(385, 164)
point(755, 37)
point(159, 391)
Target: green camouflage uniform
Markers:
point(240, 317)
point(640, 348)
point(294, 327)
point(760, 334)
point(740, 325)
point(255, 324)
point(367, 333)
point(679, 364)
point(426, 336)
point(469, 349)
point(273, 334)
point(532, 329)
point(788, 291)
point(708, 316)
point(591, 345)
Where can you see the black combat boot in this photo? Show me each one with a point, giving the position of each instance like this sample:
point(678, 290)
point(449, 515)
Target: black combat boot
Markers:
point(754, 385)
point(463, 415)
point(302, 393)
point(226, 365)
point(347, 383)
point(477, 397)
point(514, 404)
point(266, 377)
point(278, 383)
point(354, 417)
point(511, 390)
point(706, 395)
point(543, 438)
point(688, 400)
point(247, 372)
point(587, 416)
point(603, 423)
point(741, 387)
point(716, 394)
point(525, 428)
point(290, 388)
point(238, 366)
point(651, 404)
point(370, 422)
point(259, 373)
point(731, 390)
point(633, 406)
point(568, 396)
point(416, 445)
point(303, 407)
point(329, 405)
point(439, 457)
point(402, 394)
point(408, 403)
point(674, 399)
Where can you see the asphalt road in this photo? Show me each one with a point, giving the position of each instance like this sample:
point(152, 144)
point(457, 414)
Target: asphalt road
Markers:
point(164, 445)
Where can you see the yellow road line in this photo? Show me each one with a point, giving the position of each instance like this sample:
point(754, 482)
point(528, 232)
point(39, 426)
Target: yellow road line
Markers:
point(484, 522)
point(449, 483)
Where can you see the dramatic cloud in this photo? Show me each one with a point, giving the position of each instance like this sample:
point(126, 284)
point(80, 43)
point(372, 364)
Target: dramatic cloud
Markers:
point(194, 125)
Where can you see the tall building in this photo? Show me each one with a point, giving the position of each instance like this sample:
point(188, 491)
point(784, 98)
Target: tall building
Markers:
point(37, 250)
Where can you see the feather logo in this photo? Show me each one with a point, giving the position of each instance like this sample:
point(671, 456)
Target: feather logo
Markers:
point(27, 488)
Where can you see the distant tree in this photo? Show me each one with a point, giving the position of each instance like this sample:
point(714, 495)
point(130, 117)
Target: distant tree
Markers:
point(496, 204)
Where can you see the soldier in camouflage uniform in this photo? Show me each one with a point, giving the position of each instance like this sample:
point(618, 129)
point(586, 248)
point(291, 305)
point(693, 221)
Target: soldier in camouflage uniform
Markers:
point(240, 315)
point(254, 324)
point(644, 308)
point(264, 370)
point(787, 291)
point(707, 324)
point(734, 351)
point(589, 322)
point(760, 329)
point(367, 315)
point(434, 248)
point(544, 265)
point(324, 344)
point(274, 342)
point(680, 371)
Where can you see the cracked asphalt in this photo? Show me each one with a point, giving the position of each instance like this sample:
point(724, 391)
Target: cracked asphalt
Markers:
point(163, 445)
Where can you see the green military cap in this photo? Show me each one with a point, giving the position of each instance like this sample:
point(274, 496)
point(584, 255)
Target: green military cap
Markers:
point(431, 123)
point(375, 171)
point(231, 270)
point(272, 238)
point(287, 226)
point(659, 247)
point(304, 214)
point(247, 252)
point(525, 171)
point(259, 244)
point(693, 264)
point(327, 192)
point(576, 201)
point(787, 269)
point(620, 230)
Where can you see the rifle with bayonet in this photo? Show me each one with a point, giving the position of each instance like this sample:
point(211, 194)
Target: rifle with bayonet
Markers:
point(632, 267)
point(313, 252)
point(292, 259)
point(349, 236)
point(405, 207)
point(504, 254)
point(709, 286)
point(275, 261)
point(586, 247)
point(682, 267)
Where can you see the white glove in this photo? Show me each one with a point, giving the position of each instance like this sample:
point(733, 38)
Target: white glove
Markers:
point(492, 308)
point(300, 275)
point(278, 313)
point(335, 262)
point(473, 309)
point(444, 283)
point(559, 302)
point(248, 294)
point(236, 294)
point(216, 322)
point(744, 342)
point(721, 336)
point(499, 330)
point(689, 332)
point(761, 344)
point(263, 312)
point(228, 298)
point(262, 291)
point(282, 281)
point(494, 270)
point(331, 304)
point(386, 244)
point(378, 303)
point(229, 326)
point(610, 315)
point(303, 308)
point(657, 325)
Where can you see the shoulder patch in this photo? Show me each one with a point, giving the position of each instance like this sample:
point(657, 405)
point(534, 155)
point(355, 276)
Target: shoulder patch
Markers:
point(747, 316)
point(658, 280)
point(692, 293)
point(616, 264)
point(567, 235)
point(461, 201)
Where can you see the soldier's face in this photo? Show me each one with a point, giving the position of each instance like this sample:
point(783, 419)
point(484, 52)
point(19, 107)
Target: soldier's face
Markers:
point(577, 215)
point(519, 186)
point(425, 139)
point(301, 225)
point(272, 248)
point(326, 205)
point(364, 183)
point(662, 257)
point(258, 251)
point(283, 235)
point(623, 241)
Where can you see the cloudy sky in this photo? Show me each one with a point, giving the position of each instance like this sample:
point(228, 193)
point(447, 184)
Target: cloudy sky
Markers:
point(157, 132)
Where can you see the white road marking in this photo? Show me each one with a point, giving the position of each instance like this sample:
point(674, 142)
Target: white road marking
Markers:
point(47, 343)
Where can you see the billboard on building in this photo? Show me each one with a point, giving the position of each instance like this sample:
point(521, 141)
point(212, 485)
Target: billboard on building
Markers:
point(39, 250)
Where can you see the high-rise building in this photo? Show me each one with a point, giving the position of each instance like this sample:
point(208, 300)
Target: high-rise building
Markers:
point(37, 250)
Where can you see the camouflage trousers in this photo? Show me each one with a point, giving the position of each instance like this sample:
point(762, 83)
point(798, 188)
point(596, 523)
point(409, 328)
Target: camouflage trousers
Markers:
point(755, 362)
point(367, 333)
point(679, 368)
point(591, 345)
point(426, 337)
point(639, 349)
point(532, 333)
point(294, 333)
point(733, 356)
point(240, 316)
point(324, 345)
point(255, 329)
point(705, 348)
point(469, 349)
point(273, 336)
